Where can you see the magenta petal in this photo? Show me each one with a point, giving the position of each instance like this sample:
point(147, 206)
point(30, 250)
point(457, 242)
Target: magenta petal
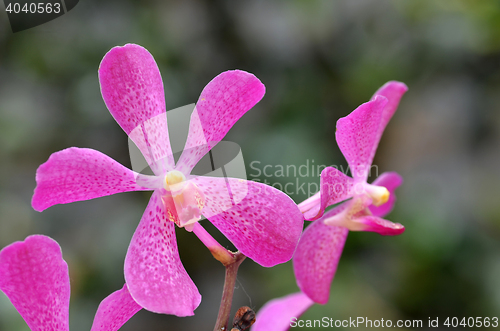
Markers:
point(391, 181)
point(335, 187)
point(221, 104)
point(154, 272)
point(261, 221)
point(314, 213)
point(357, 136)
point(278, 314)
point(34, 276)
point(393, 91)
point(77, 174)
point(317, 256)
point(132, 89)
point(379, 225)
point(115, 310)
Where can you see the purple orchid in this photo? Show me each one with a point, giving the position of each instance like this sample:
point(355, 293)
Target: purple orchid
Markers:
point(262, 222)
point(358, 135)
point(34, 276)
point(320, 247)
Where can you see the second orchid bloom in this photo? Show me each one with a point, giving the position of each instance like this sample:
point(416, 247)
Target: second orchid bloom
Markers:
point(320, 247)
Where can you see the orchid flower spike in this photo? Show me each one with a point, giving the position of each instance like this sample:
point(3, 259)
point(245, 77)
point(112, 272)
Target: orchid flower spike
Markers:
point(263, 223)
point(320, 247)
point(34, 276)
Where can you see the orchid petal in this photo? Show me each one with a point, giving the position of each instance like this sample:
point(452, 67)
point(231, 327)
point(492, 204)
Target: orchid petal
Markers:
point(393, 91)
point(357, 136)
point(76, 174)
point(317, 256)
point(314, 213)
point(115, 310)
point(277, 314)
point(154, 272)
point(313, 202)
point(355, 216)
point(35, 278)
point(391, 181)
point(335, 187)
point(132, 89)
point(221, 104)
point(261, 221)
point(379, 225)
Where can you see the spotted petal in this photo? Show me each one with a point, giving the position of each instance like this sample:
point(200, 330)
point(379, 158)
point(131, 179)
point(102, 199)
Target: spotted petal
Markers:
point(154, 272)
point(393, 91)
point(357, 136)
point(77, 174)
point(317, 256)
point(221, 104)
point(278, 314)
point(335, 187)
point(261, 221)
point(35, 278)
point(132, 89)
point(391, 181)
point(115, 310)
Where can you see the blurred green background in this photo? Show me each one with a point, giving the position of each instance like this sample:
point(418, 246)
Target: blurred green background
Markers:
point(319, 60)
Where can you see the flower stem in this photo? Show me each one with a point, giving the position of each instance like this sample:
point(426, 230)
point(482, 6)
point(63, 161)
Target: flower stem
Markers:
point(232, 262)
point(227, 293)
point(220, 253)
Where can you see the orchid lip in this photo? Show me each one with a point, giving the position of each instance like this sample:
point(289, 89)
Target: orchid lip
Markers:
point(183, 200)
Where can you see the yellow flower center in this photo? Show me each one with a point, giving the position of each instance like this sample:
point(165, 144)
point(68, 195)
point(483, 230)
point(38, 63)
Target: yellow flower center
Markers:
point(174, 180)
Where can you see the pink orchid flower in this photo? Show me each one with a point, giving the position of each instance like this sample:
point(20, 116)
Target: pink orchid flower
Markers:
point(320, 247)
point(262, 222)
point(358, 135)
point(34, 276)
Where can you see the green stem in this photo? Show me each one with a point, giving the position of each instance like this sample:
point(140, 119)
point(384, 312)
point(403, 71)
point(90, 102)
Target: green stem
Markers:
point(227, 293)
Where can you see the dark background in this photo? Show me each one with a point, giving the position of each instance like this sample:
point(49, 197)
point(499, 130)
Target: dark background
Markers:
point(319, 60)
